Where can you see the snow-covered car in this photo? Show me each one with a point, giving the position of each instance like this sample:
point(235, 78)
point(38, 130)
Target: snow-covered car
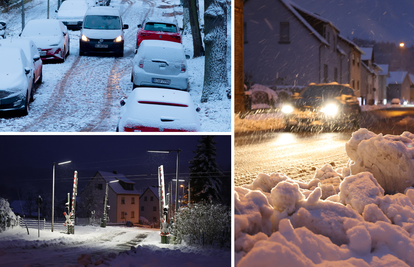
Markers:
point(162, 28)
point(16, 76)
point(158, 110)
point(328, 104)
point(102, 31)
point(3, 26)
point(71, 13)
point(160, 64)
point(50, 36)
point(32, 54)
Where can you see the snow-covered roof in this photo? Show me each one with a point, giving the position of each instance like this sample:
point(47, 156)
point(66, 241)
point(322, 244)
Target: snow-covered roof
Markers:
point(367, 53)
point(351, 43)
point(292, 9)
point(152, 189)
point(396, 77)
point(116, 186)
point(370, 70)
point(340, 50)
point(376, 66)
point(384, 70)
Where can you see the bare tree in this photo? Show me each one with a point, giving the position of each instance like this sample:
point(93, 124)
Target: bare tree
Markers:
point(215, 40)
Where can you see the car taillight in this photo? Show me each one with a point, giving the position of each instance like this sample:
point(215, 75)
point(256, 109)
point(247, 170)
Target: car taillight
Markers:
point(141, 63)
point(176, 37)
point(163, 103)
point(150, 129)
point(183, 68)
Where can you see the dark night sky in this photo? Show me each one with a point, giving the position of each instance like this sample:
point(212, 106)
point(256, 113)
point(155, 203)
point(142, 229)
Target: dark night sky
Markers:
point(27, 160)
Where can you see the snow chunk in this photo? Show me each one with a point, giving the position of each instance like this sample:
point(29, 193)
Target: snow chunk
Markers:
point(360, 190)
point(389, 158)
point(359, 240)
point(326, 172)
point(372, 213)
point(266, 182)
point(285, 196)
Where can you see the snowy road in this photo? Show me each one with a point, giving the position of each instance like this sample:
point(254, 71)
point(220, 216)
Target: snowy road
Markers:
point(83, 93)
point(296, 155)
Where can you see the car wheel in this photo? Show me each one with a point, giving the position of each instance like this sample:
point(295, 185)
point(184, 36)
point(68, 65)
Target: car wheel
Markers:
point(68, 53)
point(26, 109)
point(63, 55)
point(40, 80)
point(132, 77)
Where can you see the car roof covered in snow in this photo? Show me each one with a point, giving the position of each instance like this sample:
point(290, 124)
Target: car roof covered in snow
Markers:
point(42, 27)
point(25, 44)
point(103, 10)
point(151, 49)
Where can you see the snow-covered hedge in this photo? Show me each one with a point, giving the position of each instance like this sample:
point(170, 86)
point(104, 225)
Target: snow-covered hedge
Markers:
point(7, 216)
point(207, 224)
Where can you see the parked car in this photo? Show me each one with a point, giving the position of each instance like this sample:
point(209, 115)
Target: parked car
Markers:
point(51, 38)
point(16, 76)
point(158, 110)
point(3, 27)
point(71, 13)
point(332, 104)
point(163, 28)
point(102, 31)
point(32, 54)
point(160, 64)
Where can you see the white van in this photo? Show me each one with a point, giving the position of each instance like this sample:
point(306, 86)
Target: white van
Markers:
point(102, 31)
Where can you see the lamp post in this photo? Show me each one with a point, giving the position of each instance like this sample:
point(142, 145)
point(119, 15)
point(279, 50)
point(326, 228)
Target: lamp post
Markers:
point(176, 174)
point(105, 214)
point(53, 189)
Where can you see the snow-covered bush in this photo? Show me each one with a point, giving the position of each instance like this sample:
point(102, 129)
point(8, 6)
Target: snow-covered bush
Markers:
point(203, 224)
point(7, 216)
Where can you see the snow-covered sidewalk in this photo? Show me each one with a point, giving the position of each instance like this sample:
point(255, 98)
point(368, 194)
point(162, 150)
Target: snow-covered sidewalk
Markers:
point(110, 246)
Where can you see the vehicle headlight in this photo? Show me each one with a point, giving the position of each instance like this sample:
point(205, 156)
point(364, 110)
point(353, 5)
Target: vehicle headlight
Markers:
point(287, 109)
point(84, 38)
point(118, 39)
point(330, 109)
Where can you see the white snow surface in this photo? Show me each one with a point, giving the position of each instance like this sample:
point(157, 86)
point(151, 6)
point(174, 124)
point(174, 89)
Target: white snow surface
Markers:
point(339, 218)
point(110, 246)
point(83, 93)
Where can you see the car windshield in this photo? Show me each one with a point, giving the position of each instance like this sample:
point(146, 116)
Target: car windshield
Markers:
point(99, 22)
point(41, 28)
point(160, 27)
point(325, 91)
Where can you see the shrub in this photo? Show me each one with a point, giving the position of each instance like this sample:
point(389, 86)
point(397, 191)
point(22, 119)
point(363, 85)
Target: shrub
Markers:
point(7, 216)
point(203, 224)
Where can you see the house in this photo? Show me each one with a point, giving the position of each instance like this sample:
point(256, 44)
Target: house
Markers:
point(369, 77)
point(399, 84)
point(149, 205)
point(123, 198)
point(382, 83)
point(285, 44)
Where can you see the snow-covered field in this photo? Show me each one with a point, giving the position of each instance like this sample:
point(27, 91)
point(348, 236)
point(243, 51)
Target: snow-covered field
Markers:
point(83, 93)
point(110, 246)
point(360, 215)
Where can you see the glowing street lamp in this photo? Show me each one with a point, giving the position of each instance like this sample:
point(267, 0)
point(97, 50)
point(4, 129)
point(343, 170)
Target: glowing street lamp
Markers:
point(53, 189)
point(402, 44)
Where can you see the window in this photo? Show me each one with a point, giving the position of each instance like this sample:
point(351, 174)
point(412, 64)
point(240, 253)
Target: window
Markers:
point(284, 33)
point(154, 208)
point(353, 83)
point(142, 208)
point(358, 85)
point(152, 198)
point(122, 200)
point(122, 215)
point(325, 73)
point(335, 74)
point(353, 59)
point(145, 198)
point(132, 200)
point(132, 214)
point(99, 186)
point(358, 61)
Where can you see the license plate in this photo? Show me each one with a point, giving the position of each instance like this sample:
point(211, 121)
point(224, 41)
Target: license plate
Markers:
point(161, 81)
point(42, 53)
point(72, 23)
point(101, 46)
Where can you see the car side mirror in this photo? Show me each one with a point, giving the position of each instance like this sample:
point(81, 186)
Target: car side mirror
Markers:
point(126, 26)
point(139, 25)
point(36, 58)
point(26, 70)
point(187, 56)
point(122, 102)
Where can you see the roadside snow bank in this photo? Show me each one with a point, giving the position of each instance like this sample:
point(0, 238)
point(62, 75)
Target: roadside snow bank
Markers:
point(389, 158)
point(287, 221)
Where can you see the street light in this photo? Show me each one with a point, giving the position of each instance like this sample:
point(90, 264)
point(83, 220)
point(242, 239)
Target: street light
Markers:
point(53, 189)
point(105, 215)
point(176, 174)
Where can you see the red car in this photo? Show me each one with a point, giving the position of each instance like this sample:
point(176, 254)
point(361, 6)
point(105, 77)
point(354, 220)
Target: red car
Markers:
point(164, 29)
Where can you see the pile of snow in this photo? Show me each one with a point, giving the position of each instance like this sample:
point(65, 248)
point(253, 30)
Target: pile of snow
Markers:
point(258, 122)
point(7, 217)
point(340, 218)
point(389, 158)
